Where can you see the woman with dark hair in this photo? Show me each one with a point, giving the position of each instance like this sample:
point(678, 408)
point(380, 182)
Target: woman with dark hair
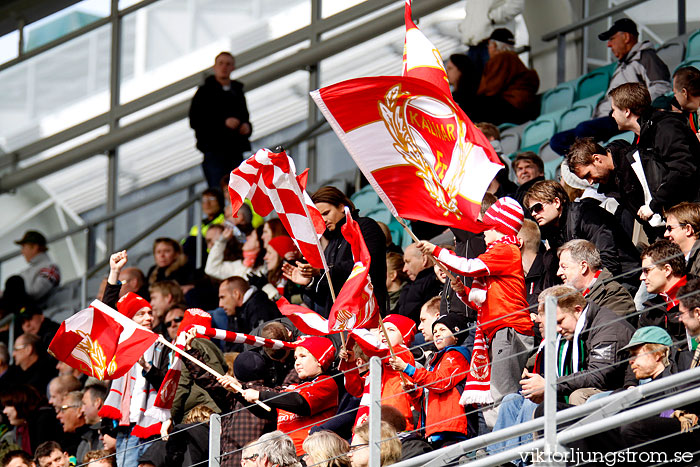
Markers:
point(229, 258)
point(331, 203)
point(31, 423)
point(171, 262)
point(271, 229)
point(463, 77)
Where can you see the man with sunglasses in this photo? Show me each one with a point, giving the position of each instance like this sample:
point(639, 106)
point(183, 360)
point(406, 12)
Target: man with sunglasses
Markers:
point(683, 229)
point(560, 221)
point(663, 273)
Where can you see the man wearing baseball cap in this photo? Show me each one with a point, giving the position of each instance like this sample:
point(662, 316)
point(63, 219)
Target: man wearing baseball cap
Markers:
point(637, 63)
point(42, 275)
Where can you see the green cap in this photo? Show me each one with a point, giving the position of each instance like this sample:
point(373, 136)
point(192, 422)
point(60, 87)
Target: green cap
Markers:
point(649, 335)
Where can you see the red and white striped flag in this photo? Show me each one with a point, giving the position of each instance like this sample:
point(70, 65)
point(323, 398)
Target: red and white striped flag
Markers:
point(269, 180)
point(240, 338)
point(307, 321)
point(101, 342)
point(421, 59)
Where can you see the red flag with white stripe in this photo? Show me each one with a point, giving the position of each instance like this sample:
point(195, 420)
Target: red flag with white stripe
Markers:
point(101, 342)
point(269, 180)
point(421, 59)
point(307, 321)
point(240, 338)
point(421, 153)
point(356, 305)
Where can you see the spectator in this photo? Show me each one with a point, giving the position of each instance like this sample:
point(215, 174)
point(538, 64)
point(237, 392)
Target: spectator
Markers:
point(271, 229)
point(580, 267)
point(498, 292)
point(219, 117)
point(561, 221)
point(133, 280)
point(173, 318)
point(529, 169)
point(429, 312)
point(164, 295)
point(59, 387)
point(133, 393)
point(424, 284)
point(390, 245)
point(507, 88)
point(274, 449)
point(93, 398)
point(246, 307)
point(107, 428)
point(686, 89)
point(412, 443)
point(441, 382)
point(389, 449)
point(637, 63)
point(537, 264)
point(42, 275)
point(50, 454)
point(396, 279)
point(8, 374)
point(213, 214)
point(170, 263)
point(279, 249)
point(229, 258)
point(249, 368)
point(663, 273)
point(662, 137)
point(463, 77)
point(326, 449)
point(279, 362)
point(31, 423)
point(17, 458)
point(78, 437)
point(100, 458)
point(33, 321)
point(315, 399)
point(331, 203)
point(683, 229)
point(37, 367)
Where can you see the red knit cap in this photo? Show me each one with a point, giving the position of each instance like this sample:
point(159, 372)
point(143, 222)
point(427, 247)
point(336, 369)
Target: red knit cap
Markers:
point(319, 347)
point(282, 245)
point(505, 215)
point(195, 316)
point(130, 304)
point(406, 326)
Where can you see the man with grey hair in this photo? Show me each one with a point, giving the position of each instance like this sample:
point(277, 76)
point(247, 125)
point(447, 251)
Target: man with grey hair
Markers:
point(271, 449)
point(580, 266)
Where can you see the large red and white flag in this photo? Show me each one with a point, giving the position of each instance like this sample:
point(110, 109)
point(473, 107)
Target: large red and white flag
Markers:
point(421, 153)
point(356, 305)
point(307, 321)
point(269, 180)
point(421, 59)
point(101, 342)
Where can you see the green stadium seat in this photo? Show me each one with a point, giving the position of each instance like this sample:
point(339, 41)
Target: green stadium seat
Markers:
point(591, 100)
point(538, 132)
point(575, 115)
point(692, 49)
point(551, 169)
point(366, 200)
point(689, 62)
point(559, 98)
point(627, 136)
point(510, 140)
point(671, 52)
point(593, 83)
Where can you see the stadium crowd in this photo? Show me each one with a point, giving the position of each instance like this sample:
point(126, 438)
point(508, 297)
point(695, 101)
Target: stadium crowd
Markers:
point(463, 313)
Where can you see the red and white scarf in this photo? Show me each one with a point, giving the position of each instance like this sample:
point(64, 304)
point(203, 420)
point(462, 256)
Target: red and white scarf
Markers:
point(133, 389)
point(477, 389)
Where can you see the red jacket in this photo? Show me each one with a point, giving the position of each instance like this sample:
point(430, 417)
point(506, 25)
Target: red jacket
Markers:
point(499, 293)
point(441, 409)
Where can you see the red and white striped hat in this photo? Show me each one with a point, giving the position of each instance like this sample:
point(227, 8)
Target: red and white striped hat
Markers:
point(320, 347)
point(505, 215)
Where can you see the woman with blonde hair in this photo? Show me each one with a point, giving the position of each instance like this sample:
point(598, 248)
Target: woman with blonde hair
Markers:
point(326, 449)
point(389, 451)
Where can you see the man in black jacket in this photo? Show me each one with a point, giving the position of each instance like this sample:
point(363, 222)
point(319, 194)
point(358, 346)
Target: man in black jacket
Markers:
point(561, 221)
point(246, 307)
point(219, 117)
point(424, 284)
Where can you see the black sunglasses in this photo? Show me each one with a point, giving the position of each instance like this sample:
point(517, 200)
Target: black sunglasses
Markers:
point(535, 208)
point(174, 321)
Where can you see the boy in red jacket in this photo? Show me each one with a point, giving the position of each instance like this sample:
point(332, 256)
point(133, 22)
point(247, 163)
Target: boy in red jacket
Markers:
point(498, 293)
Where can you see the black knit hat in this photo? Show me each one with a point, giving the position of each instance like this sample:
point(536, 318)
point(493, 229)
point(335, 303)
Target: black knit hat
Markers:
point(503, 35)
point(249, 366)
point(455, 322)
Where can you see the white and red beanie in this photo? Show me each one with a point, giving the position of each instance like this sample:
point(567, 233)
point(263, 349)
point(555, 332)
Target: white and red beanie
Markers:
point(320, 347)
point(405, 325)
point(195, 316)
point(505, 215)
point(131, 303)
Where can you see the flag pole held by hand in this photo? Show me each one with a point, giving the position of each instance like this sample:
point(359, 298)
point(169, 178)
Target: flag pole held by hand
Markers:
point(204, 366)
point(391, 349)
point(415, 239)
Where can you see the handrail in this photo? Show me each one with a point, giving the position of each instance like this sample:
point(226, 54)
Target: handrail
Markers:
point(591, 19)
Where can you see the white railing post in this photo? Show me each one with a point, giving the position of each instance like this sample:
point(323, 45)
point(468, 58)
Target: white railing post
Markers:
point(375, 410)
point(215, 440)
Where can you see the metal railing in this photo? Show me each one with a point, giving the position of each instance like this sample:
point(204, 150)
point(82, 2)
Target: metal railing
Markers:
point(561, 33)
